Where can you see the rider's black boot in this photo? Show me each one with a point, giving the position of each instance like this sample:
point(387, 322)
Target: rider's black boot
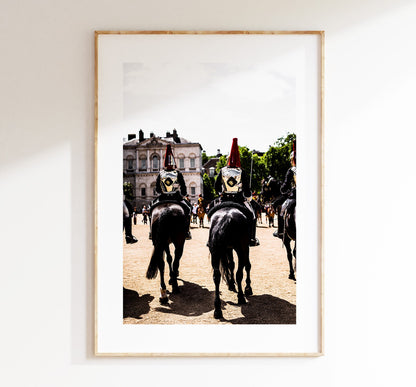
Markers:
point(188, 234)
point(253, 240)
point(279, 232)
point(130, 238)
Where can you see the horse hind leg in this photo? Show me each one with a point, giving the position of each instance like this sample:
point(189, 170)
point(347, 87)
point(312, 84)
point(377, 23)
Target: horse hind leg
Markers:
point(239, 278)
point(175, 269)
point(169, 261)
point(217, 278)
point(248, 291)
point(164, 299)
point(289, 257)
point(230, 277)
point(244, 261)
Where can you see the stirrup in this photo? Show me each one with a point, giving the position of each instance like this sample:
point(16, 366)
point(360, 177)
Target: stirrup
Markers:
point(254, 242)
point(278, 235)
point(131, 239)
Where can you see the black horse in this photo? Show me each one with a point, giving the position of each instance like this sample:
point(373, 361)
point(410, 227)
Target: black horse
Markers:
point(230, 225)
point(168, 226)
point(271, 193)
point(270, 190)
point(289, 234)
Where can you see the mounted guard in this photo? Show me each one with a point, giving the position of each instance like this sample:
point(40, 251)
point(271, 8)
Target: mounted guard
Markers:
point(232, 185)
point(288, 191)
point(170, 185)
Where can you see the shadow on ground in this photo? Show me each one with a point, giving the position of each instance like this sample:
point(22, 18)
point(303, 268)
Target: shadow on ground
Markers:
point(134, 305)
point(193, 300)
point(265, 309)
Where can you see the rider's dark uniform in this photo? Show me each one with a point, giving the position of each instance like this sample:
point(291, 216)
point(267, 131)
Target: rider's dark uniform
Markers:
point(171, 187)
point(288, 188)
point(233, 185)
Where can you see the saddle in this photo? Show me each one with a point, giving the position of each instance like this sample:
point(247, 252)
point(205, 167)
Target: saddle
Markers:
point(229, 204)
point(287, 207)
point(158, 203)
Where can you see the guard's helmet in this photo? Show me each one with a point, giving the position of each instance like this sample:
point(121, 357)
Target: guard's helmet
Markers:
point(234, 157)
point(293, 153)
point(169, 159)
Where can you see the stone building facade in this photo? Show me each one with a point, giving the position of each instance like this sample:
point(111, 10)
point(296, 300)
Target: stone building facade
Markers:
point(143, 158)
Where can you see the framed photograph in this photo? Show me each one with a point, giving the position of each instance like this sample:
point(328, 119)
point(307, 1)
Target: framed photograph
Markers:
point(209, 193)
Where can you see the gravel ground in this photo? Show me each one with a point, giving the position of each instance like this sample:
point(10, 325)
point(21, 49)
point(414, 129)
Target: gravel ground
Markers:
point(274, 295)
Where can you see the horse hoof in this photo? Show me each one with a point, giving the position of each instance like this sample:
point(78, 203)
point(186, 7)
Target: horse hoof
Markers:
point(248, 291)
point(242, 300)
point(164, 300)
point(232, 289)
point(292, 277)
point(217, 314)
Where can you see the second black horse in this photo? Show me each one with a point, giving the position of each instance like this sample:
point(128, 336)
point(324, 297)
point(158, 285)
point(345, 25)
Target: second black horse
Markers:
point(230, 230)
point(169, 226)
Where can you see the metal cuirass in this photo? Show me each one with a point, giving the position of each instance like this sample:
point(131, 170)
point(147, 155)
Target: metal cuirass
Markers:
point(294, 177)
point(231, 180)
point(169, 182)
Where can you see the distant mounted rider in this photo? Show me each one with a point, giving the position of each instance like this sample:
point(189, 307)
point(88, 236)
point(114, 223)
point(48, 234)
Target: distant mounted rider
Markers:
point(170, 185)
point(200, 200)
point(288, 191)
point(233, 185)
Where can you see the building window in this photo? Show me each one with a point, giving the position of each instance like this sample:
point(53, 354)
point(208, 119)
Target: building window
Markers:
point(181, 163)
point(130, 163)
point(143, 165)
point(143, 191)
point(193, 191)
point(192, 165)
point(155, 163)
point(211, 172)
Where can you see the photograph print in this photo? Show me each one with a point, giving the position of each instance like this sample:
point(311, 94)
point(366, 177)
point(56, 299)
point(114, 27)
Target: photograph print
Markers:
point(201, 137)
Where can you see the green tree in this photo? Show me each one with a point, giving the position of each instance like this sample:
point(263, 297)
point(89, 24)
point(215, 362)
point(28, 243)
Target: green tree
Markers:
point(205, 158)
point(222, 162)
point(209, 191)
point(277, 158)
point(128, 190)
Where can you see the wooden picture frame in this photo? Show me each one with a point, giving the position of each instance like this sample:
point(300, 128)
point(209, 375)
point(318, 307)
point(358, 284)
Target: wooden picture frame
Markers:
point(298, 56)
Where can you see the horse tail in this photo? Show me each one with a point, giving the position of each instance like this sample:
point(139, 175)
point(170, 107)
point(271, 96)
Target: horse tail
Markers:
point(225, 267)
point(218, 250)
point(160, 232)
point(157, 256)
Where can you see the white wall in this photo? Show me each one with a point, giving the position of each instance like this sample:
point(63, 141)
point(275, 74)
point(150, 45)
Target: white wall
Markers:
point(46, 185)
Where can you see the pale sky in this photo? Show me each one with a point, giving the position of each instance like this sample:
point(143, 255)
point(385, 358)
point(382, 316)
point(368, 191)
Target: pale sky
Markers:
point(211, 103)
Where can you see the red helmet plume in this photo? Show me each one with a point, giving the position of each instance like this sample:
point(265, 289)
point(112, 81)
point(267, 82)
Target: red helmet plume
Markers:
point(234, 157)
point(169, 159)
point(293, 153)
